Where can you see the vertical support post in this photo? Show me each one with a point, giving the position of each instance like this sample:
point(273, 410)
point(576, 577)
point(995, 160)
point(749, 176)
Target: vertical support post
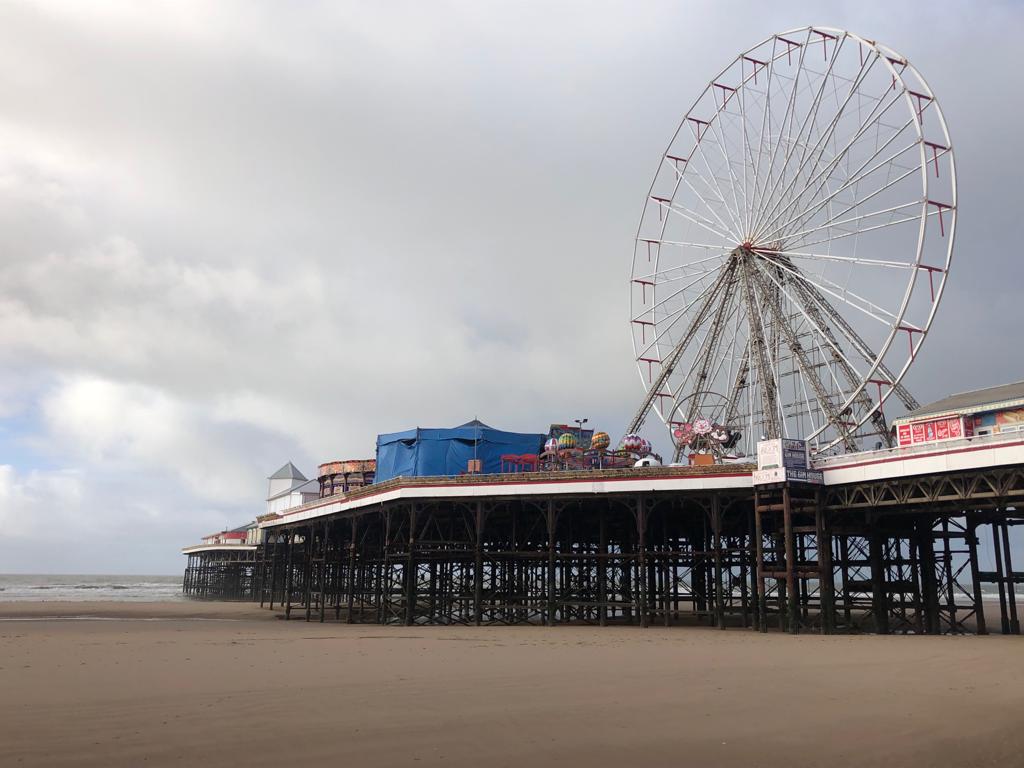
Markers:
point(1003, 616)
point(352, 570)
point(411, 568)
point(288, 576)
point(716, 532)
point(261, 561)
point(791, 593)
point(844, 557)
point(929, 587)
point(1011, 594)
point(478, 567)
point(826, 579)
point(761, 613)
point(307, 570)
point(384, 568)
point(641, 587)
point(947, 565)
point(879, 598)
point(743, 553)
point(551, 523)
point(972, 550)
point(323, 569)
point(602, 567)
point(273, 568)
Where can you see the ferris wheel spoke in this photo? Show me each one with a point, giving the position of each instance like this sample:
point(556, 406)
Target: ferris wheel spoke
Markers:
point(820, 329)
point(727, 227)
point(723, 247)
point(668, 365)
point(832, 223)
point(674, 316)
point(766, 109)
point(835, 257)
point(747, 156)
point(679, 291)
point(790, 101)
point(825, 137)
point(904, 220)
point(823, 175)
point(785, 194)
point(712, 338)
point(705, 197)
point(815, 299)
point(825, 171)
point(732, 229)
point(807, 121)
point(719, 131)
point(887, 321)
point(821, 326)
point(813, 158)
point(730, 355)
point(857, 177)
point(685, 271)
point(766, 381)
point(700, 221)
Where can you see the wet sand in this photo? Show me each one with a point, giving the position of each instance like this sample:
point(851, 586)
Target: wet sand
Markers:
point(227, 684)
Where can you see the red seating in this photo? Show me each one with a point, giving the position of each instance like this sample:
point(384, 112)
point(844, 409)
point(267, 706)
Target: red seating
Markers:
point(529, 462)
point(510, 462)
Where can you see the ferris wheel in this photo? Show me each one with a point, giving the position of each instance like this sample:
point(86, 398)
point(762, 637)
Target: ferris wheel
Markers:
point(794, 245)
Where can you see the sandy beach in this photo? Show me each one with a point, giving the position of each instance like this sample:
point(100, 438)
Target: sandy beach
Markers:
point(228, 684)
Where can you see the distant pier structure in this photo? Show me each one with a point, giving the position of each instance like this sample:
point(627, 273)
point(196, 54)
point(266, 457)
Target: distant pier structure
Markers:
point(223, 567)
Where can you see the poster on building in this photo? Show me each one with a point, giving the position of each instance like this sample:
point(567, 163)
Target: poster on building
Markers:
point(903, 435)
point(933, 431)
point(1010, 421)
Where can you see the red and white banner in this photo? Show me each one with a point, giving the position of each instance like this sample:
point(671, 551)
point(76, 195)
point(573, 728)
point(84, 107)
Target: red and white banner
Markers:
point(928, 431)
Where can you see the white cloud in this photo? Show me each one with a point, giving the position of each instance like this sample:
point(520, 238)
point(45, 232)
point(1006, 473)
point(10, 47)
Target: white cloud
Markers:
point(134, 428)
point(38, 501)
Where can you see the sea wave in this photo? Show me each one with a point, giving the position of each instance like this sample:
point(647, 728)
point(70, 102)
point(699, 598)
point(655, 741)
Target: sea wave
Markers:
point(65, 588)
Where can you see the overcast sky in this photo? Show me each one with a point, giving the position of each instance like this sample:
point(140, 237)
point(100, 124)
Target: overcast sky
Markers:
point(234, 234)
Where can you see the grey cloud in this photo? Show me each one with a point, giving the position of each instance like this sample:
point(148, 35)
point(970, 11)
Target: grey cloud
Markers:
point(303, 227)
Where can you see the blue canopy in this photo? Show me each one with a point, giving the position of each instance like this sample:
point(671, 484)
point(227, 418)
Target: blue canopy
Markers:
point(424, 452)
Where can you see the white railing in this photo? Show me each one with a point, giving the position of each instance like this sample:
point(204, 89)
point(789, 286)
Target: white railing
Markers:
point(824, 462)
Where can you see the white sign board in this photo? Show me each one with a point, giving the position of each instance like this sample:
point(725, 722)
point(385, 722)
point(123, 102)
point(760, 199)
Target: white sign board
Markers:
point(782, 474)
point(790, 454)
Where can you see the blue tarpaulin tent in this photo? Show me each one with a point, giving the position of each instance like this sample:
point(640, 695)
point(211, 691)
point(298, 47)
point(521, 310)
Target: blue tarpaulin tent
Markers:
point(422, 452)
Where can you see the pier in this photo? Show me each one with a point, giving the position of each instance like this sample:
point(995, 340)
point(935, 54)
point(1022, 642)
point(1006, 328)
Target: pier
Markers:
point(887, 544)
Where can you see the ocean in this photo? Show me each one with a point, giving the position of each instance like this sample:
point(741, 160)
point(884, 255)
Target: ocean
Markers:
point(48, 587)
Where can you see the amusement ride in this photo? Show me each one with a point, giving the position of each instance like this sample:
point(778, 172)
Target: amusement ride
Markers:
point(793, 249)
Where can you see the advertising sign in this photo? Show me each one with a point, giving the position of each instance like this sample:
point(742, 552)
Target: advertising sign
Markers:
point(782, 474)
point(782, 453)
point(929, 431)
point(903, 435)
